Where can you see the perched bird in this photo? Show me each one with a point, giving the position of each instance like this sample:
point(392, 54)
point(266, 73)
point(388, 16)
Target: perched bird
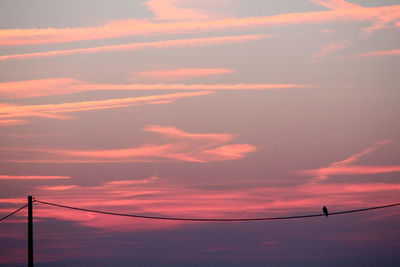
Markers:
point(325, 210)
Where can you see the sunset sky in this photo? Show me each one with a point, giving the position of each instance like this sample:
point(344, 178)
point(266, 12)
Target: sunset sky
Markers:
point(200, 109)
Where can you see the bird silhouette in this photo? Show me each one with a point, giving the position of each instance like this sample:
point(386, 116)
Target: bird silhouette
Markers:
point(325, 210)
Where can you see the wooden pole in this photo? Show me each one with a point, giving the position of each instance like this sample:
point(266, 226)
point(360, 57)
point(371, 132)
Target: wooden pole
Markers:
point(30, 232)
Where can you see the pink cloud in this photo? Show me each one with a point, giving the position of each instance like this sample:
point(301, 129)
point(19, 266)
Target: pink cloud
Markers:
point(344, 167)
point(178, 74)
point(192, 147)
point(233, 152)
point(11, 122)
point(13, 135)
point(385, 20)
point(378, 145)
point(42, 87)
point(169, 197)
point(58, 187)
point(59, 111)
point(385, 53)
point(351, 170)
point(183, 43)
point(13, 201)
point(157, 196)
point(329, 49)
point(336, 4)
point(343, 12)
point(167, 10)
point(175, 133)
point(56, 86)
point(32, 177)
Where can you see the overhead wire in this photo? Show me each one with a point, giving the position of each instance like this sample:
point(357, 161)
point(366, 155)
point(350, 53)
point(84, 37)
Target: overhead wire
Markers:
point(12, 213)
point(215, 219)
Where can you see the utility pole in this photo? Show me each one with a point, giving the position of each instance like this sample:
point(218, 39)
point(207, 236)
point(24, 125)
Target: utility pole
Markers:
point(30, 232)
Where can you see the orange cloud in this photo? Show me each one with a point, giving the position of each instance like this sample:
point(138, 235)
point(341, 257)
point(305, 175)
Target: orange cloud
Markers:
point(59, 111)
point(192, 147)
point(329, 49)
point(32, 177)
point(56, 86)
point(350, 13)
point(178, 74)
point(344, 166)
point(194, 42)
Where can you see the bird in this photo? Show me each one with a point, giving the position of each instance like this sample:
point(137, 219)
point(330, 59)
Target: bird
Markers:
point(325, 210)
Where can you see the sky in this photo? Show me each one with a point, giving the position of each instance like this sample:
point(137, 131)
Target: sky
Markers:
point(200, 109)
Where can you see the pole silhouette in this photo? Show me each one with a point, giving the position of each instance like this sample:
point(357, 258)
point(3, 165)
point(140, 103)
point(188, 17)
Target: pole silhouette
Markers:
point(30, 232)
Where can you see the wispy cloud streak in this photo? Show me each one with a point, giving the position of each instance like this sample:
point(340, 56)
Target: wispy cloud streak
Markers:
point(181, 43)
point(56, 86)
point(342, 12)
point(384, 53)
point(32, 177)
point(324, 173)
point(60, 111)
point(178, 74)
point(345, 167)
point(184, 146)
point(329, 49)
point(11, 122)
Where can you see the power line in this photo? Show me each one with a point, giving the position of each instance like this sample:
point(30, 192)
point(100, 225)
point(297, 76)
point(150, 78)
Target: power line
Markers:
point(215, 219)
point(13, 212)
